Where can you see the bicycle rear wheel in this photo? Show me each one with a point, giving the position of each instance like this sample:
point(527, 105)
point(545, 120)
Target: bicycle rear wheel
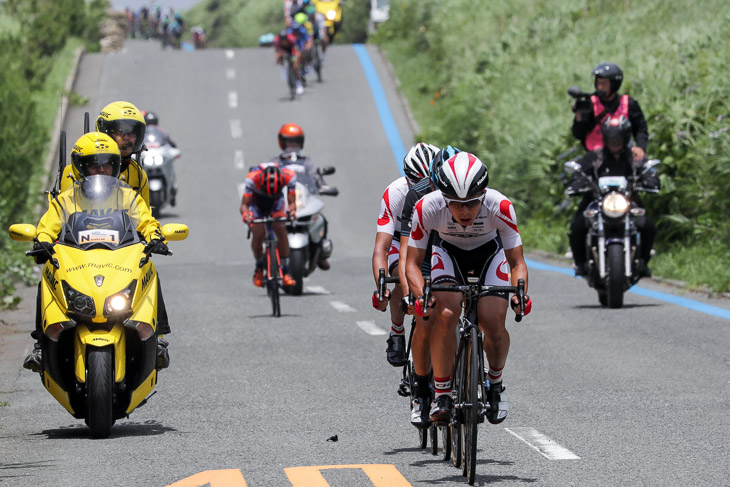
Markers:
point(291, 79)
point(273, 281)
point(434, 439)
point(471, 412)
point(445, 442)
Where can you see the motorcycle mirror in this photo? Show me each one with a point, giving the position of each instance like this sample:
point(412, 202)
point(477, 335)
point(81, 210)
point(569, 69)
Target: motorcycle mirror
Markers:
point(651, 163)
point(327, 170)
point(22, 232)
point(175, 231)
point(329, 191)
point(571, 167)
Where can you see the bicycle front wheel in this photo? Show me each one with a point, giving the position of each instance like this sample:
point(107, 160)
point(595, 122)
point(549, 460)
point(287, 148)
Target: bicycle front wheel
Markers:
point(273, 281)
point(471, 412)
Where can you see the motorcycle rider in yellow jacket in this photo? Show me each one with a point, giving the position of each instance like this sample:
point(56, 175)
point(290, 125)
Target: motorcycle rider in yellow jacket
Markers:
point(93, 154)
point(123, 122)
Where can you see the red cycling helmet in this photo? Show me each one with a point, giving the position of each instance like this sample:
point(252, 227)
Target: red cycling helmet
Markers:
point(271, 181)
point(291, 132)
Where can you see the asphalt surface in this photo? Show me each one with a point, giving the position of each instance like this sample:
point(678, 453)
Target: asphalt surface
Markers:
point(635, 396)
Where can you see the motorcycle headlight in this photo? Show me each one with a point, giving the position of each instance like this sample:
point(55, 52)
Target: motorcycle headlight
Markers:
point(121, 302)
point(153, 160)
point(615, 205)
point(78, 303)
point(331, 14)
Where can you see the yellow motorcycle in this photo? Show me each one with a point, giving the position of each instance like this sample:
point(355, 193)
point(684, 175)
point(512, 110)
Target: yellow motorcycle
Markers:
point(332, 11)
point(98, 299)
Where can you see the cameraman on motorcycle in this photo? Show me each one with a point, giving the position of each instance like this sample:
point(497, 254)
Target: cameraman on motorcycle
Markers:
point(263, 195)
point(591, 113)
point(291, 142)
point(615, 158)
point(93, 154)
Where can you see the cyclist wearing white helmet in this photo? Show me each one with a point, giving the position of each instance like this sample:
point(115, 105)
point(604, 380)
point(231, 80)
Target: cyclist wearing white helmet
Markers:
point(479, 238)
point(387, 244)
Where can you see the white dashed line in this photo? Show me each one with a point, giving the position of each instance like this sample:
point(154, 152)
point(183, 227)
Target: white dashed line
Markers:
point(236, 131)
point(342, 307)
point(238, 160)
point(229, 54)
point(316, 290)
point(230, 73)
point(542, 444)
point(371, 328)
point(233, 99)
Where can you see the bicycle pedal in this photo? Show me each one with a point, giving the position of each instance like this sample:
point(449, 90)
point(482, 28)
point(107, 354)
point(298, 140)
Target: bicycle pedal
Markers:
point(404, 390)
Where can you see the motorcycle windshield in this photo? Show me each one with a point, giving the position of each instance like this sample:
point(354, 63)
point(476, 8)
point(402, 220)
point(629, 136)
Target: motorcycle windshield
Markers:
point(304, 177)
point(154, 137)
point(99, 212)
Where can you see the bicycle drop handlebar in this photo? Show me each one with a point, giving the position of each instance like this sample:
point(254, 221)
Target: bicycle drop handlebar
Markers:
point(383, 281)
point(265, 220)
point(477, 291)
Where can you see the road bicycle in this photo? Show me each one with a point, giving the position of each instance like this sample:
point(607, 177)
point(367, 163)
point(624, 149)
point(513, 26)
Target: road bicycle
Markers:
point(470, 384)
point(272, 271)
point(407, 387)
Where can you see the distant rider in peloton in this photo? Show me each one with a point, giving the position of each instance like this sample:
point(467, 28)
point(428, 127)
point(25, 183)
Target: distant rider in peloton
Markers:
point(291, 142)
point(590, 114)
point(263, 196)
point(386, 253)
point(286, 46)
point(479, 238)
point(615, 158)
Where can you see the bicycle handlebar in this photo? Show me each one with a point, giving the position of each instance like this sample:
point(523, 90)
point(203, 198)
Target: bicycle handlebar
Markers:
point(383, 280)
point(477, 291)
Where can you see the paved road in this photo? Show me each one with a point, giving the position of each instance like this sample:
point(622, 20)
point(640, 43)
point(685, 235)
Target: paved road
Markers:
point(637, 396)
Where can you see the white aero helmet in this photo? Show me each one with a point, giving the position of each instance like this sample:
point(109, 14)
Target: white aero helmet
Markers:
point(418, 160)
point(462, 175)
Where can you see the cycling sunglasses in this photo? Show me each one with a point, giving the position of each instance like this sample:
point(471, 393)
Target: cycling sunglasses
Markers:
point(469, 204)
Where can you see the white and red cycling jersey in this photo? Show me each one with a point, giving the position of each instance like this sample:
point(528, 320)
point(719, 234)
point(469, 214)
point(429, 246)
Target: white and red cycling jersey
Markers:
point(391, 206)
point(496, 216)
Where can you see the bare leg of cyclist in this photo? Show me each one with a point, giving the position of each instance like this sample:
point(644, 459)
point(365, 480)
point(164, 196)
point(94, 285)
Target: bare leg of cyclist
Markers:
point(283, 241)
point(396, 344)
point(443, 347)
point(492, 313)
point(421, 347)
point(257, 246)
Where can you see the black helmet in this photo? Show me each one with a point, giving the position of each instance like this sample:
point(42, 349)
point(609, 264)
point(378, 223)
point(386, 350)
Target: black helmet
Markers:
point(610, 72)
point(616, 128)
point(150, 118)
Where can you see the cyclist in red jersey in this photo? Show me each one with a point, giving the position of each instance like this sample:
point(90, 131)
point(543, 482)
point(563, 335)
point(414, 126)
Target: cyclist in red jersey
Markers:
point(286, 45)
point(263, 195)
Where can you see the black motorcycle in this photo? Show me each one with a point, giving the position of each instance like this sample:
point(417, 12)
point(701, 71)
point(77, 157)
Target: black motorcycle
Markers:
point(613, 242)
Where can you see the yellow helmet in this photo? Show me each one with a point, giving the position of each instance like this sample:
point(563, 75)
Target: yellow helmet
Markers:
point(95, 148)
point(121, 117)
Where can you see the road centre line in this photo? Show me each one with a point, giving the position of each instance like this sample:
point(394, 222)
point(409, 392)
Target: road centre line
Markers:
point(230, 73)
point(232, 99)
point(396, 145)
point(229, 54)
point(239, 162)
point(542, 444)
point(316, 290)
point(236, 131)
point(371, 328)
point(342, 307)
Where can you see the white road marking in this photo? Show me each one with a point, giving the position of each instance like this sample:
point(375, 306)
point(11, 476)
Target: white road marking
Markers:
point(238, 160)
point(371, 328)
point(240, 188)
point(229, 54)
point(316, 290)
point(232, 99)
point(236, 131)
point(342, 307)
point(230, 73)
point(542, 444)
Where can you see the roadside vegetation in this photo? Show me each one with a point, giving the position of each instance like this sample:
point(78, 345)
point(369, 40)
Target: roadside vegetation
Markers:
point(491, 77)
point(37, 44)
point(239, 23)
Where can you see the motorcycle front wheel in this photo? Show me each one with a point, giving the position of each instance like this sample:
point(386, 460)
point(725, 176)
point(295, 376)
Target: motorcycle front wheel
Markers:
point(99, 391)
point(297, 262)
point(615, 278)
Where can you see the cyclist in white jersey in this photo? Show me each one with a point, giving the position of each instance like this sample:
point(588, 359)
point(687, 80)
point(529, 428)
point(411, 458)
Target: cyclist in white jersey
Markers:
point(479, 238)
point(387, 244)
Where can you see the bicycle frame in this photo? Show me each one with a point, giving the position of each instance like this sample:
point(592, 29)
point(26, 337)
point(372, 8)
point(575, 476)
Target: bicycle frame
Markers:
point(274, 277)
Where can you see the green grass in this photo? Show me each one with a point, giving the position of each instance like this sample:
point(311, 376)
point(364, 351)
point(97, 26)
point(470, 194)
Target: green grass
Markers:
point(491, 78)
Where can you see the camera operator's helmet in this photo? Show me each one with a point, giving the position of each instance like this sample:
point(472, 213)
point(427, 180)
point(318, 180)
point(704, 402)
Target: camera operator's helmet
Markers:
point(610, 72)
point(95, 148)
point(417, 163)
point(151, 118)
point(616, 128)
point(462, 175)
point(121, 117)
point(301, 18)
point(271, 181)
point(442, 155)
point(291, 132)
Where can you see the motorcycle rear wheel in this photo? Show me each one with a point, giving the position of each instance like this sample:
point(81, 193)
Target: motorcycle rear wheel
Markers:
point(100, 391)
point(615, 278)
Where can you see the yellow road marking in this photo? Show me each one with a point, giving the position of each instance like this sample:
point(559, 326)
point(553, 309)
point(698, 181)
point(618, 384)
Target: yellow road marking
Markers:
point(380, 475)
point(213, 478)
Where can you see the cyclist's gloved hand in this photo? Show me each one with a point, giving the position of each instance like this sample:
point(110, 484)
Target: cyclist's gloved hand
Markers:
point(423, 310)
point(377, 303)
point(406, 305)
point(247, 217)
point(516, 304)
point(157, 246)
point(45, 250)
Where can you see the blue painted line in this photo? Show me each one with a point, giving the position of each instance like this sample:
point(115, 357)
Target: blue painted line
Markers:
point(641, 291)
point(187, 46)
point(399, 151)
point(381, 103)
